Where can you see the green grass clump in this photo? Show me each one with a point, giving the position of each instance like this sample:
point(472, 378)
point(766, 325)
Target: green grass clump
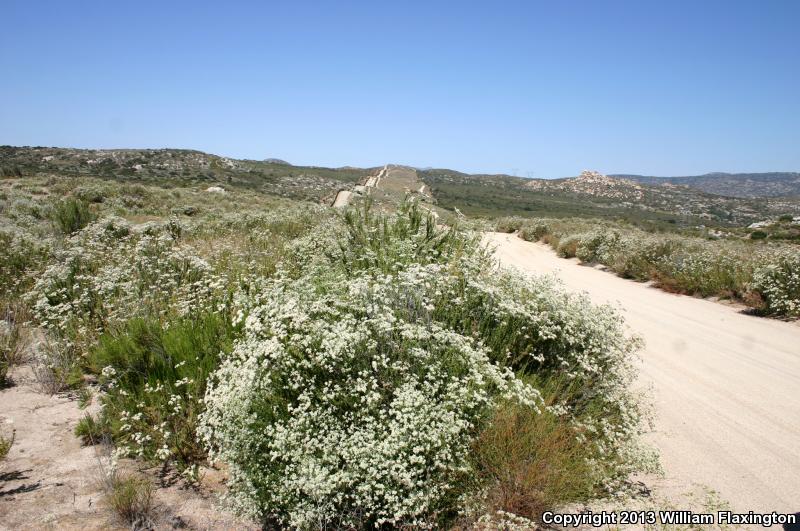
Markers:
point(91, 430)
point(71, 215)
point(373, 242)
point(155, 375)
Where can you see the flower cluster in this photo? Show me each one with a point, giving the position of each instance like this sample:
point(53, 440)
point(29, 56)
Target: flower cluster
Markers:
point(363, 378)
point(337, 405)
point(778, 283)
point(112, 271)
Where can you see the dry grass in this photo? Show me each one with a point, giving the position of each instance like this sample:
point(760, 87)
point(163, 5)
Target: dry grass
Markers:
point(55, 366)
point(11, 346)
point(12, 341)
point(531, 462)
point(130, 497)
point(568, 247)
point(6, 443)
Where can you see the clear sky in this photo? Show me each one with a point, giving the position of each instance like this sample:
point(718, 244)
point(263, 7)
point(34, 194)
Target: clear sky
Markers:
point(533, 88)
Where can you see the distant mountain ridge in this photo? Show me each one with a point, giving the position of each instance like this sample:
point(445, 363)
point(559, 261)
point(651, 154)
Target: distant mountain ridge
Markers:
point(591, 194)
point(769, 184)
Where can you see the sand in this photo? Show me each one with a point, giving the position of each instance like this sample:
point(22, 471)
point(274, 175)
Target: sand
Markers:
point(725, 385)
point(50, 481)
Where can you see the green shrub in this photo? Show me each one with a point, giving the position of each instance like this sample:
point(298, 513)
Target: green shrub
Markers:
point(12, 345)
point(21, 255)
point(71, 215)
point(356, 393)
point(509, 224)
point(534, 232)
point(155, 376)
point(758, 235)
point(778, 284)
point(639, 257)
point(57, 365)
point(598, 246)
point(684, 264)
point(373, 242)
point(701, 271)
point(90, 194)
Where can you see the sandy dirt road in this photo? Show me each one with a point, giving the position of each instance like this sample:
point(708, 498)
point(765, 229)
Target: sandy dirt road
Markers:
point(726, 386)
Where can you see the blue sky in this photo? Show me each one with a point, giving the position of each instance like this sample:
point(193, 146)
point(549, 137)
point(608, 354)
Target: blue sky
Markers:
point(534, 88)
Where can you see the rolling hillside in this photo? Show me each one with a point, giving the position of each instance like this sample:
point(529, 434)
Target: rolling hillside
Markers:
point(596, 195)
point(589, 195)
point(179, 166)
point(773, 184)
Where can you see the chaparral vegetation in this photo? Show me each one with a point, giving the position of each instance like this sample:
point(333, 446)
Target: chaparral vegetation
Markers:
point(763, 274)
point(370, 367)
point(347, 370)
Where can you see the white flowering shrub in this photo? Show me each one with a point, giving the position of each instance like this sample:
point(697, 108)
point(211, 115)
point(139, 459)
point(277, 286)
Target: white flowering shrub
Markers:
point(363, 379)
point(696, 266)
point(154, 358)
point(22, 256)
point(702, 270)
point(334, 410)
point(598, 246)
point(778, 284)
point(112, 271)
point(638, 256)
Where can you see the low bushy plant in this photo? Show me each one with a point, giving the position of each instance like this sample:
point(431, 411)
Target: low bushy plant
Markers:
point(12, 343)
point(533, 232)
point(22, 256)
point(57, 365)
point(71, 215)
point(702, 272)
point(532, 463)
point(112, 271)
point(681, 264)
point(598, 246)
point(154, 374)
point(509, 224)
point(778, 284)
point(91, 430)
point(336, 409)
point(130, 498)
point(568, 247)
point(356, 393)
